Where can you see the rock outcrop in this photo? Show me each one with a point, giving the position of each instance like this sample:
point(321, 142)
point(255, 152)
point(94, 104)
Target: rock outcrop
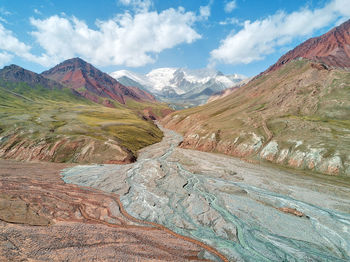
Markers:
point(61, 149)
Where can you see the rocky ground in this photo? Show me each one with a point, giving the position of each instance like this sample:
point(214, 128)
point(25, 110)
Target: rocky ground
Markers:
point(44, 219)
point(246, 212)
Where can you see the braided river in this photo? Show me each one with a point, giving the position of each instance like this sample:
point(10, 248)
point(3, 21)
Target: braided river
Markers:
point(245, 211)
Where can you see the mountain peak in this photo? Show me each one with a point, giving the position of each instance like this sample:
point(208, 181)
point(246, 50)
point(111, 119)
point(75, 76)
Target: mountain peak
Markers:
point(15, 73)
point(76, 61)
point(71, 65)
point(13, 67)
point(331, 49)
point(92, 83)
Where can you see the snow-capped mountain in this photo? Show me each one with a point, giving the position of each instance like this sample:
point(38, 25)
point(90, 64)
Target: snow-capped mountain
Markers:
point(180, 85)
point(139, 78)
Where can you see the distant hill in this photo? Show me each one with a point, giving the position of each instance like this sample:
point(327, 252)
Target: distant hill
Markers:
point(296, 114)
point(17, 74)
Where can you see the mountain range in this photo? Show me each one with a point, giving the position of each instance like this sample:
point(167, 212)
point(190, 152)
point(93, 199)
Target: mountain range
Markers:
point(74, 113)
point(294, 114)
point(180, 87)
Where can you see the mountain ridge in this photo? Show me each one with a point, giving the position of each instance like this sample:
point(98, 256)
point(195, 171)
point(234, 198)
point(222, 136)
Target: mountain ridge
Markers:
point(331, 49)
point(94, 84)
point(296, 114)
point(15, 73)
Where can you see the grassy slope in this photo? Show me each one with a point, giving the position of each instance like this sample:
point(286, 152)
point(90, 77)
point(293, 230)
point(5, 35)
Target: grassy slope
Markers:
point(159, 109)
point(296, 103)
point(38, 113)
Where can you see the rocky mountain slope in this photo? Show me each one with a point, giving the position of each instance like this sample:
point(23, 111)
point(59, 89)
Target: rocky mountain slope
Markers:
point(43, 120)
point(179, 86)
point(297, 115)
point(17, 74)
point(93, 84)
point(332, 49)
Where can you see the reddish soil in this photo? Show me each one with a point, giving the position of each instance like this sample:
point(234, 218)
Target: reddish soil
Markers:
point(44, 219)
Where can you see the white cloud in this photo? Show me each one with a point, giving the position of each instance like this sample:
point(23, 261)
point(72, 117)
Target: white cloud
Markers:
point(10, 46)
point(230, 6)
point(261, 37)
point(9, 43)
point(127, 39)
point(131, 40)
point(5, 58)
point(37, 11)
point(230, 21)
point(138, 5)
point(204, 11)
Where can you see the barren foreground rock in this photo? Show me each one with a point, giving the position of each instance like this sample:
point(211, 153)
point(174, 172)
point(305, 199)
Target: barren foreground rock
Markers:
point(44, 219)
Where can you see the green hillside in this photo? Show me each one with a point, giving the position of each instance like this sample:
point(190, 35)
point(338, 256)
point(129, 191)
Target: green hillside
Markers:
point(36, 119)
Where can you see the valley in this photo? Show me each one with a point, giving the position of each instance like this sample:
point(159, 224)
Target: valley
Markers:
point(246, 212)
point(175, 154)
point(44, 120)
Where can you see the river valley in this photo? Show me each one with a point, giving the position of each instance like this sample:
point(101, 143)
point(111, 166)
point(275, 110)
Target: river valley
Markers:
point(246, 212)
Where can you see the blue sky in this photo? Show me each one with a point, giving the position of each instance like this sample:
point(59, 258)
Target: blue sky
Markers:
point(242, 36)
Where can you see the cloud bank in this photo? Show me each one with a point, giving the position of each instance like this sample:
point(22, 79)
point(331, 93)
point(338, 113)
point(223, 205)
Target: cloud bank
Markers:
point(130, 39)
point(262, 37)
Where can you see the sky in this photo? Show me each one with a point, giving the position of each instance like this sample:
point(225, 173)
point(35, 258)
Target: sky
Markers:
point(233, 36)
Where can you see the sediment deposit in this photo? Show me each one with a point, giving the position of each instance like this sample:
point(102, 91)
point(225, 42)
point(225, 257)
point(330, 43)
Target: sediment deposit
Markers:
point(44, 219)
point(246, 212)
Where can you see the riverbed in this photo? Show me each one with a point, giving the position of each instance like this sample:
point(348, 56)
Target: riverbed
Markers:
point(247, 212)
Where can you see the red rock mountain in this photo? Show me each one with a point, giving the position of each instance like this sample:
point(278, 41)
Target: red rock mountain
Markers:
point(331, 49)
point(93, 84)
